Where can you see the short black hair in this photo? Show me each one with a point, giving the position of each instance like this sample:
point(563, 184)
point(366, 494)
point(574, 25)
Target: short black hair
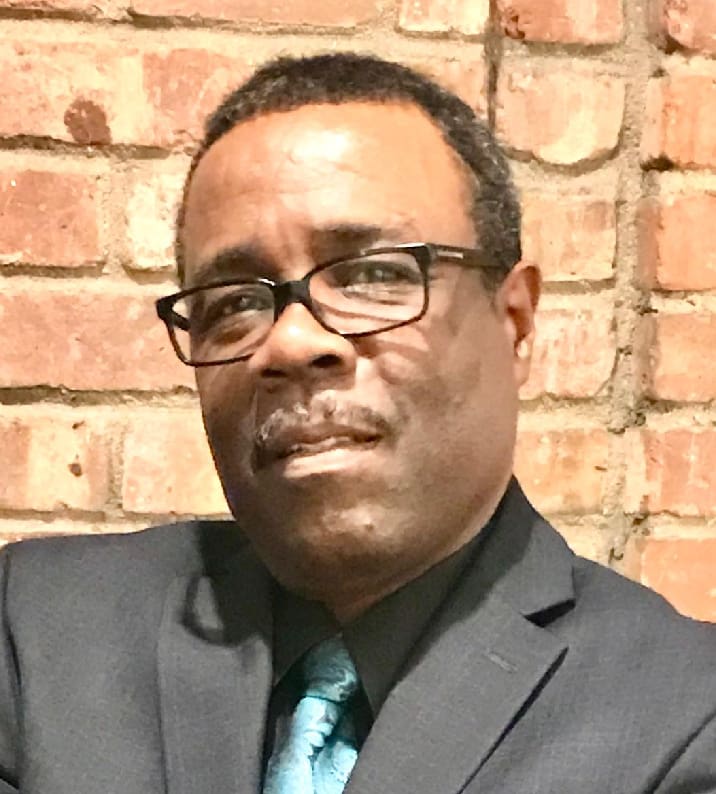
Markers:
point(288, 83)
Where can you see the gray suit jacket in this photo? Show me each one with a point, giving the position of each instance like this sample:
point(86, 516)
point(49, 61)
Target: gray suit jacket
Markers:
point(141, 664)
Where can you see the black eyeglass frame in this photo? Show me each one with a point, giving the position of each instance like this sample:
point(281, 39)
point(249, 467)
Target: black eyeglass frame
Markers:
point(297, 291)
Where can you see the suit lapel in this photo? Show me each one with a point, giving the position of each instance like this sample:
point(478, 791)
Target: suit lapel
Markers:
point(478, 666)
point(214, 671)
point(444, 718)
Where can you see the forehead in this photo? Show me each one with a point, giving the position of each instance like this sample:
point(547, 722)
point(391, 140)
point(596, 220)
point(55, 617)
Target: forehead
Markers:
point(288, 174)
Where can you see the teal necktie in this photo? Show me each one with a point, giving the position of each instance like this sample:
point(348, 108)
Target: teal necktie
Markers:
point(318, 752)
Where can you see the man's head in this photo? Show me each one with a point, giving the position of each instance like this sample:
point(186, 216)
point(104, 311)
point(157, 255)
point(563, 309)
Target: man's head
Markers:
point(289, 83)
point(353, 463)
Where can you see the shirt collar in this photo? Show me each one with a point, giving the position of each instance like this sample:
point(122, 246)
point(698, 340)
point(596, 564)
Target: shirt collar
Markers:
point(381, 640)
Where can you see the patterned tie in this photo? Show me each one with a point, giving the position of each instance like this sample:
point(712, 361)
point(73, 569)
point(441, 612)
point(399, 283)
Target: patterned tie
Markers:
point(318, 752)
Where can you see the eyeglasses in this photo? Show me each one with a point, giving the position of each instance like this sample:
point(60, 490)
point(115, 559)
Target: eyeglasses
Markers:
point(377, 290)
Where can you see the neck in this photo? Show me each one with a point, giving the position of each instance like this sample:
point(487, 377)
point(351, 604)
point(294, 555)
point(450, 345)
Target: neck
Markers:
point(350, 603)
point(349, 559)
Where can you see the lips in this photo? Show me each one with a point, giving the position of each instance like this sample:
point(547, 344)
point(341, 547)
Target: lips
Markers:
point(311, 440)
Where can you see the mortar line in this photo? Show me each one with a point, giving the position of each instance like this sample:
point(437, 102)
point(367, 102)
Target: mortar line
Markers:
point(630, 299)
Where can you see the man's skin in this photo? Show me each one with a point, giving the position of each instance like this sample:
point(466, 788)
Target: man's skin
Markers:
point(386, 453)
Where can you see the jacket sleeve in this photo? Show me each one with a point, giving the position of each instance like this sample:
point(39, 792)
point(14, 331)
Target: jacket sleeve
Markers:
point(9, 690)
point(694, 771)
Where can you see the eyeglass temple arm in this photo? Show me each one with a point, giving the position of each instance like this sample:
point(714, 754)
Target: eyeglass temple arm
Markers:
point(166, 313)
point(467, 255)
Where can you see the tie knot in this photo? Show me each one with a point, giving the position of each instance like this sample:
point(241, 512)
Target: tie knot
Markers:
point(329, 672)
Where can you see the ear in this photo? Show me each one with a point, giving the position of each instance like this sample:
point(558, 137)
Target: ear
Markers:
point(516, 300)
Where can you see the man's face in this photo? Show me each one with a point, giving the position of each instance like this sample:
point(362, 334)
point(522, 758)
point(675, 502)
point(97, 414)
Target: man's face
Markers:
point(386, 452)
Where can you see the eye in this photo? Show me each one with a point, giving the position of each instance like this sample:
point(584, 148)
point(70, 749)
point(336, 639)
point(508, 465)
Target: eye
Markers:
point(378, 272)
point(232, 304)
point(383, 273)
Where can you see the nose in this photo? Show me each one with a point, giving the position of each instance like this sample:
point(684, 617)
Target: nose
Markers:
point(298, 347)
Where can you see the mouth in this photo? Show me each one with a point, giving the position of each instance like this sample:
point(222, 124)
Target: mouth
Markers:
point(313, 440)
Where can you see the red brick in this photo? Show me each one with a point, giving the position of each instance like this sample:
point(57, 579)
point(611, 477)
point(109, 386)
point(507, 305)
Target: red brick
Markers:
point(677, 351)
point(83, 338)
point(684, 572)
point(465, 77)
point(690, 24)
point(468, 17)
point(563, 21)
point(671, 471)
point(569, 237)
point(183, 86)
point(562, 471)
point(558, 115)
point(327, 13)
point(574, 353)
point(99, 94)
point(151, 211)
point(48, 219)
point(168, 467)
point(676, 249)
point(680, 120)
point(50, 462)
point(79, 93)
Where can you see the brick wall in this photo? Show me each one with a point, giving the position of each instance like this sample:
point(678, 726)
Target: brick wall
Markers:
point(608, 109)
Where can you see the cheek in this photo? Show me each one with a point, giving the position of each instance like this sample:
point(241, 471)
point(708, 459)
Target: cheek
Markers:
point(451, 376)
point(427, 377)
point(228, 407)
point(435, 354)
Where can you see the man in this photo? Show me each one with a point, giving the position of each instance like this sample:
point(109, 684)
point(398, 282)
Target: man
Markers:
point(360, 324)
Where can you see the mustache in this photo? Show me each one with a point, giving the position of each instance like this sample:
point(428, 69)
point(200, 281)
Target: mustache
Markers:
point(327, 410)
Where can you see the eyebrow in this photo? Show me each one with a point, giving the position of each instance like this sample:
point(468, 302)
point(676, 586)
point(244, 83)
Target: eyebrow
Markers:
point(361, 235)
point(326, 241)
point(227, 263)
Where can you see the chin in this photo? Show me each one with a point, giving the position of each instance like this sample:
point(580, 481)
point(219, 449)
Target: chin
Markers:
point(319, 541)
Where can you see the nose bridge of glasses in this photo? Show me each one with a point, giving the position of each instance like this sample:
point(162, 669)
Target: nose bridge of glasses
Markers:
point(288, 292)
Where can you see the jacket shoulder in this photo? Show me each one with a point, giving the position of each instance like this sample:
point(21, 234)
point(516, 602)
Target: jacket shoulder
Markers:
point(155, 554)
point(632, 622)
